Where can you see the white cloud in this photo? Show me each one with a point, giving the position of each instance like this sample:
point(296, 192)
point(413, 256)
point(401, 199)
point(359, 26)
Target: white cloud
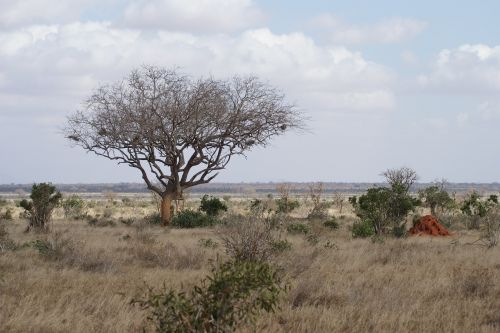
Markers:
point(16, 13)
point(62, 63)
point(469, 69)
point(193, 16)
point(392, 30)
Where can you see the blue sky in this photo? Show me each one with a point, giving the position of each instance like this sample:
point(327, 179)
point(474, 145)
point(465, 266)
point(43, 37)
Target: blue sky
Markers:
point(384, 83)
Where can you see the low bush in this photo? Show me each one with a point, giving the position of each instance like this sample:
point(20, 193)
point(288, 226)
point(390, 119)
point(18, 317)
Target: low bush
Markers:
point(212, 206)
point(247, 239)
point(208, 243)
point(298, 228)
point(282, 245)
point(128, 221)
point(362, 229)
point(6, 243)
point(7, 215)
point(233, 294)
point(74, 207)
point(154, 219)
point(399, 231)
point(192, 219)
point(331, 223)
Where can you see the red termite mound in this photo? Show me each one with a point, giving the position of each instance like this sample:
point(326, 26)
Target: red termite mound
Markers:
point(429, 225)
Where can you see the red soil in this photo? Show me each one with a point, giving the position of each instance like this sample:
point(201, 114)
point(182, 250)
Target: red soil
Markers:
point(428, 225)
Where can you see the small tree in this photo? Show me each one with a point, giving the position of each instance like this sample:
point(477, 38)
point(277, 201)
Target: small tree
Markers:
point(338, 200)
point(178, 131)
point(435, 197)
point(44, 198)
point(319, 209)
point(476, 208)
point(386, 207)
point(285, 204)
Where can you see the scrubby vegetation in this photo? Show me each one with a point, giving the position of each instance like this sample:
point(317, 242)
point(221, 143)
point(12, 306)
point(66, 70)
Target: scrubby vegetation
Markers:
point(228, 271)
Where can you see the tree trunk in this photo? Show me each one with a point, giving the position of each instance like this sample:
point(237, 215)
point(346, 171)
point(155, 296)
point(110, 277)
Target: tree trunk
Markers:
point(166, 212)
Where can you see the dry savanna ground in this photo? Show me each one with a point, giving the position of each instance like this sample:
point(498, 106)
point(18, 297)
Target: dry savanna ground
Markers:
point(337, 283)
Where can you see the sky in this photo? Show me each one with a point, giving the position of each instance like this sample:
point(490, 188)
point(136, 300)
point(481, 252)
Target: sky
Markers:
point(383, 84)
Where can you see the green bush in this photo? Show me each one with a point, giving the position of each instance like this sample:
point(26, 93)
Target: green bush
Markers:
point(74, 207)
point(154, 219)
point(44, 198)
point(233, 294)
point(331, 223)
point(362, 229)
point(280, 246)
point(286, 205)
point(298, 228)
point(399, 231)
point(192, 219)
point(212, 206)
point(208, 243)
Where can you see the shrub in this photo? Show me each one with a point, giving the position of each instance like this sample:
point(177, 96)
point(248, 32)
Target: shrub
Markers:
point(192, 219)
point(476, 209)
point(7, 215)
point(298, 228)
point(247, 239)
point(319, 209)
point(128, 221)
point(44, 198)
point(331, 223)
point(280, 246)
point(399, 231)
point(362, 229)
point(154, 219)
point(212, 206)
point(208, 243)
point(74, 207)
point(98, 221)
point(312, 239)
point(233, 294)
point(5, 242)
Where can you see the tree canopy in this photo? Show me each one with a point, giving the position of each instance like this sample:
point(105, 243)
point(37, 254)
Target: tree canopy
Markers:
point(177, 131)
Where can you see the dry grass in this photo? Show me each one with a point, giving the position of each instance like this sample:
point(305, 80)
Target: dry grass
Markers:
point(417, 284)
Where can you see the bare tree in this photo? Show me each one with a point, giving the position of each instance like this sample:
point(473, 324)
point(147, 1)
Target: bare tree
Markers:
point(401, 179)
point(338, 200)
point(178, 131)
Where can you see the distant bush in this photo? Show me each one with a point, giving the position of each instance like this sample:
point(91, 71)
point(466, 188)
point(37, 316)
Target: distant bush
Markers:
point(74, 207)
point(233, 294)
point(192, 219)
point(44, 198)
point(212, 206)
point(331, 223)
point(298, 228)
point(98, 221)
point(362, 229)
